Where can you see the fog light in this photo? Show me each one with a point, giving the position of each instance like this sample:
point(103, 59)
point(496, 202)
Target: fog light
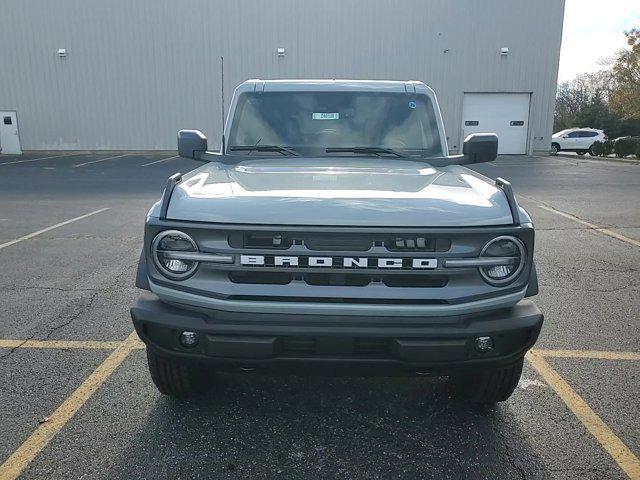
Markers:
point(188, 339)
point(484, 344)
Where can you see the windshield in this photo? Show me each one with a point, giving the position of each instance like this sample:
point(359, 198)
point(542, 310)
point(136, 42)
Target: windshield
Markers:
point(562, 132)
point(311, 122)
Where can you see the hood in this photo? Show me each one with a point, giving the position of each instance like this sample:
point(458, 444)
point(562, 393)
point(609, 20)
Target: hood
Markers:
point(381, 192)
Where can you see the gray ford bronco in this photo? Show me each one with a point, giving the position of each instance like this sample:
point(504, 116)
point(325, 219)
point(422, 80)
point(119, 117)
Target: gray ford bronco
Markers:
point(333, 233)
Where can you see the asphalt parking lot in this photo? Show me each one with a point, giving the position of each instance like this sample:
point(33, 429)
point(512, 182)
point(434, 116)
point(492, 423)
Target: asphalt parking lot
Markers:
point(77, 401)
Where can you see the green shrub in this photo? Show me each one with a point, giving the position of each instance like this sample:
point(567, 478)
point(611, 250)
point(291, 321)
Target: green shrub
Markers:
point(626, 146)
point(607, 148)
point(638, 151)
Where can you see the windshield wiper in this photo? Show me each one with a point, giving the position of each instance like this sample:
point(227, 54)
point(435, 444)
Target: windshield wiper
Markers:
point(375, 150)
point(263, 148)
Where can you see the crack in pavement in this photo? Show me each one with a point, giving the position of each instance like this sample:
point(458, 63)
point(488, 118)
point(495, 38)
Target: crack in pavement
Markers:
point(80, 311)
point(13, 349)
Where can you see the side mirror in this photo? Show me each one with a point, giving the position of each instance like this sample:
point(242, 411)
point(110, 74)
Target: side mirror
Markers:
point(481, 147)
point(191, 144)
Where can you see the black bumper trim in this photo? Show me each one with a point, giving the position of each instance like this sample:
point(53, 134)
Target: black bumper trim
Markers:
point(440, 345)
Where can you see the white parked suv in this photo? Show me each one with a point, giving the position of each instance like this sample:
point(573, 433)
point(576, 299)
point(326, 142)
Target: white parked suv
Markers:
point(579, 140)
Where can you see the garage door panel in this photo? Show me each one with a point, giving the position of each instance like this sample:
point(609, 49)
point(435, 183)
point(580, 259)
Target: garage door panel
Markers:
point(506, 114)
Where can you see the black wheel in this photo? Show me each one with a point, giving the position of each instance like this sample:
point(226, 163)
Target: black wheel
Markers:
point(592, 152)
point(555, 148)
point(176, 379)
point(490, 386)
point(581, 152)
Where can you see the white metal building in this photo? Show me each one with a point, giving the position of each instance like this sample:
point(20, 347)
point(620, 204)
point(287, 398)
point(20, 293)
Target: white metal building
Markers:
point(126, 75)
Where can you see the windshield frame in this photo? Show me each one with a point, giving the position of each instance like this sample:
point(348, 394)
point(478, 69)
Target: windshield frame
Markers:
point(416, 89)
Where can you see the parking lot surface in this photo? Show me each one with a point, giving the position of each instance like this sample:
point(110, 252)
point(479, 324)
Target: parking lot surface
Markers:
point(77, 401)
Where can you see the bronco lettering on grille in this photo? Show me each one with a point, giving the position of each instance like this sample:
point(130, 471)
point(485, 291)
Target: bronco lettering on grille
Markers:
point(337, 262)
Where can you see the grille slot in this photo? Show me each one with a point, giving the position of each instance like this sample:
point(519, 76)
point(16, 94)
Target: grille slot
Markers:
point(337, 279)
point(417, 244)
point(331, 242)
point(418, 281)
point(367, 301)
point(275, 241)
point(261, 278)
point(336, 243)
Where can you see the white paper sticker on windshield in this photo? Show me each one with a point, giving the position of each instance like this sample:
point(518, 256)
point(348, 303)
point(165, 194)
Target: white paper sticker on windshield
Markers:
point(325, 116)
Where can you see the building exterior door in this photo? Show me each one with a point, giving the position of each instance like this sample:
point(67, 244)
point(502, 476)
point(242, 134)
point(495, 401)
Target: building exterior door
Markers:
point(505, 114)
point(9, 137)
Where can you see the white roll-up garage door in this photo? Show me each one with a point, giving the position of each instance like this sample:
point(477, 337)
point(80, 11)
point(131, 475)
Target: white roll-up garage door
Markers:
point(506, 114)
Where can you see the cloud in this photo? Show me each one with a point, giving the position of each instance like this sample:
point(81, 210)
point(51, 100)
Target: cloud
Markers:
point(593, 30)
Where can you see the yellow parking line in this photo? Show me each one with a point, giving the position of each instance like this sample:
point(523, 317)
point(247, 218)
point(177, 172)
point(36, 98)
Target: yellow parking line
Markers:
point(593, 354)
point(40, 158)
point(67, 344)
point(160, 161)
point(40, 438)
point(62, 344)
point(57, 225)
point(592, 226)
point(625, 459)
point(101, 160)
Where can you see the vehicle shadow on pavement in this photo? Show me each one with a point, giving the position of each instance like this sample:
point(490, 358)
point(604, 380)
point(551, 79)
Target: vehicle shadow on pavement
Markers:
point(330, 427)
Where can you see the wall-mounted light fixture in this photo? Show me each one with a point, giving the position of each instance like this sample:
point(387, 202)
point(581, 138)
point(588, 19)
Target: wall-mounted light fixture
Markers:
point(504, 51)
point(281, 51)
point(62, 52)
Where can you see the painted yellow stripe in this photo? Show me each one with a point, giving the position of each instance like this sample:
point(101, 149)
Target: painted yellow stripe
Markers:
point(593, 354)
point(592, 226)
point(160, 161)
point(65, 344)
point(57, 225)
point(40, 438)
point(41, 158)
point(101, 160)
point(627, 461)
point(62, 344)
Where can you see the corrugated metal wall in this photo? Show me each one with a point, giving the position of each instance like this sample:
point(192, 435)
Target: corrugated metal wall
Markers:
point(137, 71)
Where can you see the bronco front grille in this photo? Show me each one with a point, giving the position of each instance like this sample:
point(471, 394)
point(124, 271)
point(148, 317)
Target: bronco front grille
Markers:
point(350, 265)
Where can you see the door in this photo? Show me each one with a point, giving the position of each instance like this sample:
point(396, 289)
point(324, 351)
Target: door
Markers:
point(586, 139)
point(571, 141)
point(505, 114)
point(9, 138)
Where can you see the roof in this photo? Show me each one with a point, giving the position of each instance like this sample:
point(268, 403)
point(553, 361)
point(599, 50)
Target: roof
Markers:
point(301, 85)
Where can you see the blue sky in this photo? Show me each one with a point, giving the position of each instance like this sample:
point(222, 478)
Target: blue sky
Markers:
point(593, 30)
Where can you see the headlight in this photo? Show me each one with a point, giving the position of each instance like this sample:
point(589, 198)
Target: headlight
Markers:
point(510, 256)
point(170, 250)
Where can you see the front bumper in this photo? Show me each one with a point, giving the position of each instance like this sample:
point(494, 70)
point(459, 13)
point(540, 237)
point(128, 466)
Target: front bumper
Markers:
point(313, 343)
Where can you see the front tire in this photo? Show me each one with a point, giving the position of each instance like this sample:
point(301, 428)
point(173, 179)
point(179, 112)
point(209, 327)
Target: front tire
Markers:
point(490, 386)
point(592, 152)
point(555, 148)
point(176, 379)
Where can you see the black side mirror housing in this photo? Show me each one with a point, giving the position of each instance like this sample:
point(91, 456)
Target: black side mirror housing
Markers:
point(481, 147)
point(191, 144)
